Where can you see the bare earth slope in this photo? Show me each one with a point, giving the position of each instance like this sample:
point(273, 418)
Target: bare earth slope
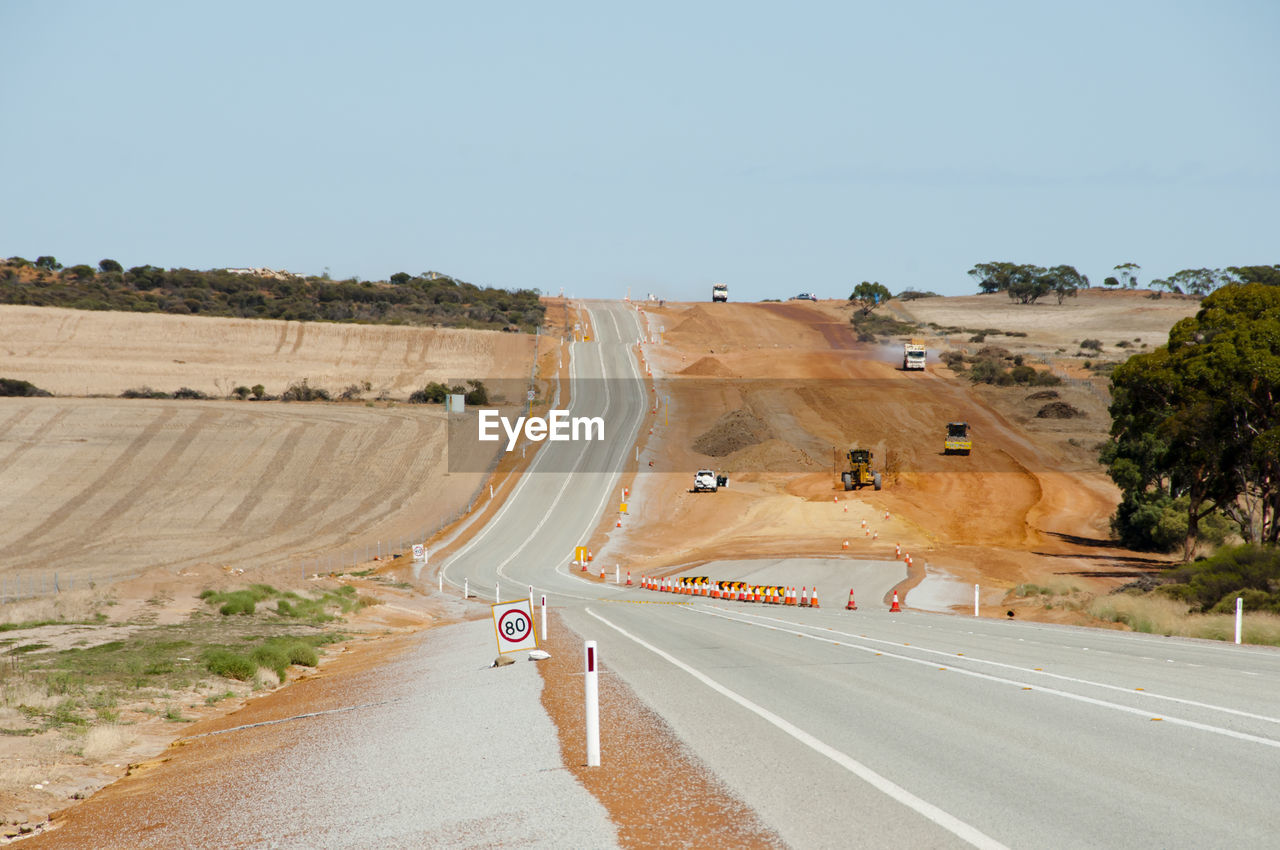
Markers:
point(78, 352)
point(110, 487)
point(1029, 504)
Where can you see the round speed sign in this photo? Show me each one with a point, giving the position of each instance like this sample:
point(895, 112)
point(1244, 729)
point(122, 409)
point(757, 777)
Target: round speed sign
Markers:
point(514, 626)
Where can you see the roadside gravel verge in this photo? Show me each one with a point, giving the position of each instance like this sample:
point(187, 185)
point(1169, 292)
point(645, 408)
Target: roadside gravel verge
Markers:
point(428, 748)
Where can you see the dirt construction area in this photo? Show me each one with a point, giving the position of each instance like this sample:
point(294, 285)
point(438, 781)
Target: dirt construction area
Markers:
point(189, 495)
point(774, 395)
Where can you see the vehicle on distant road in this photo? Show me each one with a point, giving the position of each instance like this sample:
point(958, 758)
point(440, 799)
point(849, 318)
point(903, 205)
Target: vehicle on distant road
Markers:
point(719, 292)
point(804, 296)
point(913, 355)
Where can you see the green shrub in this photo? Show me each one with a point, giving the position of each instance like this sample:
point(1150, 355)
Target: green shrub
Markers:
point(304, 392)
point(273, 658)
point(187, 392)
point(233, 665)
point(1091, 344)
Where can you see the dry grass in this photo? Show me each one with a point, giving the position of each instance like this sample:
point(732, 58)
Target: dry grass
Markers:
point(1161, 616)
point(76, 606)
point(102, 742)
point(20, 691)
point(265, 678)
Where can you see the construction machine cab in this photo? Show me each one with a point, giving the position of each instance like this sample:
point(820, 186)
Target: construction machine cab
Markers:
point(859, 473)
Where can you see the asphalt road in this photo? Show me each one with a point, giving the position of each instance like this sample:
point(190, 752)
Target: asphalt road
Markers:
point(869, 729)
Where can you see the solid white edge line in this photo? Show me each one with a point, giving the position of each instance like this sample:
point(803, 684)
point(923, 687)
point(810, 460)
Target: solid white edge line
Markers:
point(1114, 706)
point(925, 809)
point(1031, 671)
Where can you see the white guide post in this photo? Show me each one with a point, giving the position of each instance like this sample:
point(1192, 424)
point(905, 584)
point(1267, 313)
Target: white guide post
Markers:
point(466, 588)
point(440, 582)
point(617, 574)
point(975, 600)
point(497, 597)
point(592, 687)
point(1239, 616)
point(543, 632)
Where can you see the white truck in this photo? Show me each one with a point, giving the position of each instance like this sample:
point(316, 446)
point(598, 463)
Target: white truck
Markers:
point(706, 481)
point(913, 355)
point(719, 292)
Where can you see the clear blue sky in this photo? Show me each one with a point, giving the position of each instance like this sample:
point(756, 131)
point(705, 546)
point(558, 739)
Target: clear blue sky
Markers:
point(657, 146)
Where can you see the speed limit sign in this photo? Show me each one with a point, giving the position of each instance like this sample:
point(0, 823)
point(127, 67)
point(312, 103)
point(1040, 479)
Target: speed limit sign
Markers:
point(513, 622)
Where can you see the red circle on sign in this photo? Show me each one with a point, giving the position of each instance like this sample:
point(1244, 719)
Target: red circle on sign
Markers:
point(516, 629)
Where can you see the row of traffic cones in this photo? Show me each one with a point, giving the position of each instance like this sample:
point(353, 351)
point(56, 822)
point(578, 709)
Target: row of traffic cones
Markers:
point(735, 591)
point(740, 592)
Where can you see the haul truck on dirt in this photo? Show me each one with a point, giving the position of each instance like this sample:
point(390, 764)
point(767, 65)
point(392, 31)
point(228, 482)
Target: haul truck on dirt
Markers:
point(957, 441)
point(913, 354)
point(719, 292)
point(706, 481)
point(859, 473)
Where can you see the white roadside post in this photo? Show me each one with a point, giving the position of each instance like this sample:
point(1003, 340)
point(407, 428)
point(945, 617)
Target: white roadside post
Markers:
point(975, 600)
point(592, 687)
point(543, 630)
point(466, 588)
point(497, 597)
point(531, 597)
point(617, 574)
point(440, 581)
point(1239, 616)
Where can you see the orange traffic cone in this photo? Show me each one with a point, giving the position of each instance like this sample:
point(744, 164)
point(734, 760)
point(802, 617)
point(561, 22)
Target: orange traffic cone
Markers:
point(590, 555)
point(804, 597)
point(852, 606)
point(813, 600)
point(897, 550)
point(602, 573)
point(619, 525)
point(628, 578)
point(844, 545)
point(895, 606)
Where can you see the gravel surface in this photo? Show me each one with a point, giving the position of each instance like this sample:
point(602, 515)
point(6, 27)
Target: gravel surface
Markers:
point(432, 748)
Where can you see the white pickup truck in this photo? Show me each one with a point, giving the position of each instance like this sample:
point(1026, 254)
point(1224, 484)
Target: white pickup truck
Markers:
point(706, 481)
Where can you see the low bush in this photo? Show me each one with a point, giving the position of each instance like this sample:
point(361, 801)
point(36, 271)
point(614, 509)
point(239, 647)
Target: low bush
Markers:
point(143, 392)
point(10, 387)
point(233, 665)
point(304, 392)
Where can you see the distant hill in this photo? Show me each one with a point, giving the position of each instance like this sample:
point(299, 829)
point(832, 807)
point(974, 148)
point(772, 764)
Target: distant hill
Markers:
point(427, 299)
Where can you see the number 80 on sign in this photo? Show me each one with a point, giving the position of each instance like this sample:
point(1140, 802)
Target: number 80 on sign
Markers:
point(513, 624)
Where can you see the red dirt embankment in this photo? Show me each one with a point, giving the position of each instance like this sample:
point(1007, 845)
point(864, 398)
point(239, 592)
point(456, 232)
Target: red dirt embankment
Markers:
point(774, 394)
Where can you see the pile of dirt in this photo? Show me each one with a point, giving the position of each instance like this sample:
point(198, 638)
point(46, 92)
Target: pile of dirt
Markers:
point(735, 430)
point(1059, 410)
point(1043, 395)
point(707, 367)
point(696, 323)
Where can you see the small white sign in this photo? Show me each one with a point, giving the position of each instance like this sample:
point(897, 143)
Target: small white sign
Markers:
point(513, 622)
point(531, 395)
point(419, 552)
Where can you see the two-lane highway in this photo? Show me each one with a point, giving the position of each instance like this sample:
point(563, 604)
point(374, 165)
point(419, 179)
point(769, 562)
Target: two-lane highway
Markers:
point(851, 729)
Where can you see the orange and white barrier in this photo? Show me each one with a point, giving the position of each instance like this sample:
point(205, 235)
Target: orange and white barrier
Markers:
point(895, 607)
point(852, 606)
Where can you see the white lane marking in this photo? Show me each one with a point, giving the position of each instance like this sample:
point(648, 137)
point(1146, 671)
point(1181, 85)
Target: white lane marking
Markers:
point(524, 479)
point(568, 479)
point(1029, 671)
point(926, 809)
point(1176, 721)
